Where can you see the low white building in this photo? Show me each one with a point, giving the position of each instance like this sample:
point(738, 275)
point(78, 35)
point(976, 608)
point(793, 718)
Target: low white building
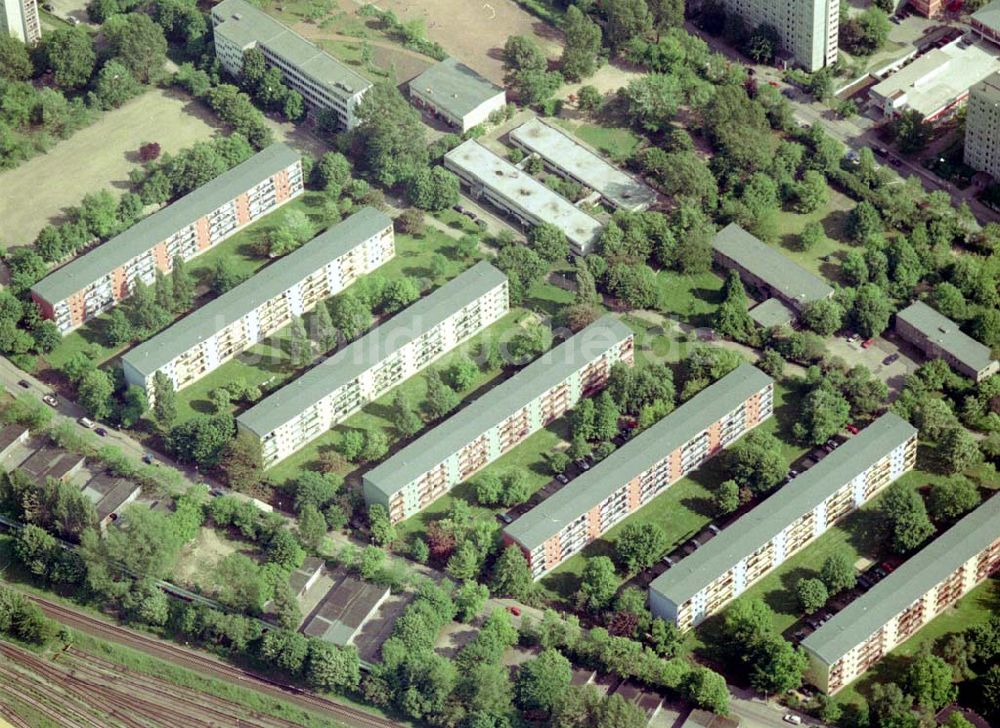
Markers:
point(937, 83)
point(455, 93)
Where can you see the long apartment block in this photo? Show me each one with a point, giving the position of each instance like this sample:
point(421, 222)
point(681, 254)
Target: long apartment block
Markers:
point(324, 82)
point(642, 469)
point(232, 323)
point(502, 418)
point(103, 277)
point(371, 366)
point(893, 610)
point(725, 567)
point(518, 194)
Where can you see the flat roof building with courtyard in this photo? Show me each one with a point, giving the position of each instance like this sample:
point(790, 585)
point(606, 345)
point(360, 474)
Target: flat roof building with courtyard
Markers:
point(569, 158)
point(502, 418)
point(642, 468)
point(19, 19)
point(982, 126)
point(893, 610)
point(345, 609)
point(215, 333)
point(937, 83)
point(766, 269)
point(515, 192)
point(807, 29)
point(324, 82)
point(455, 93)
point(940, 337)
point(369, 367)
point(105, 276)
point(702, 583)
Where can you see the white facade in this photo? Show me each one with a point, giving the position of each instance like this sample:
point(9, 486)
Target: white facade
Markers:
point(19, 18)
point(982, 127)
point(807, 29)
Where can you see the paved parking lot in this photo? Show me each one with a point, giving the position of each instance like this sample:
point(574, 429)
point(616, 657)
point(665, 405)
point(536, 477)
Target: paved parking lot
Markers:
point(892, 374)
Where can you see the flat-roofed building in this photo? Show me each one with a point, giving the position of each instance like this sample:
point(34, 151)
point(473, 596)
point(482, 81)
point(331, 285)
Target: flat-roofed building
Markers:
point(10, 437)
point(927, 8)
point(515, 192)
point(642, 468)
point(345, 609)
point(369, 367)
point(807, 29)
point(110, 495)
point(19, 18)
point(937, 83)
point(940, 337)
point(703, 583)
point(106, 275)
point(569, 158)
point(324, 82)
point(455, 93)
point(502, 418)
point(766, 269)
point(919, 590)
point(48, 462)
point(255, 309)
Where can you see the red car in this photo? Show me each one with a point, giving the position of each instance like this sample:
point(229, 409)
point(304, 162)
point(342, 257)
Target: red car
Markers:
point(888, 567)
point(867, 343)
point(516, 611)
point(853, 429)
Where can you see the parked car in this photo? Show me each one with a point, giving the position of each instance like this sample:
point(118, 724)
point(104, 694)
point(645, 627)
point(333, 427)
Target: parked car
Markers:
point(504, 518)
point(868, 343)
point(668, 561)
point(714, 529)
point(101, 432)
point(216, 492)
point(51, 400)
point(887, 567)
point(895, 161)
point(86, 422)
point(852, 338)
point(24, 383)
point(516, 611)
point(890, 359)
point(562, 478)
point(459, 209)
point(148, 458)
point(853, 429)
point(583, 464)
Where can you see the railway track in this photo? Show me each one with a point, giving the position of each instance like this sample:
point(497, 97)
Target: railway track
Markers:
point(207, 665)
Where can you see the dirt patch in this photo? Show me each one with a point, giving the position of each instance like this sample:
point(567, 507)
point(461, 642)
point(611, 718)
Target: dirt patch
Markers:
point(100, 156)
point(475, 32)
point(198, 559)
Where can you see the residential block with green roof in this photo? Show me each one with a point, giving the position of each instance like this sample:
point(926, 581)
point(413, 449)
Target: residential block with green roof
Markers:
point(457, 94)
point(368, 368)
point(939, 337)
point(105, 276)
point(703, 583)
point(643, 468)
point(502, 418)
point(231, 324)
point(919, 590)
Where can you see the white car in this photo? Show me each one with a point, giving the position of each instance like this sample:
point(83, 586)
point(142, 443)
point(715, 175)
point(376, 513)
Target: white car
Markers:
point(793, 719)
point(86, 422)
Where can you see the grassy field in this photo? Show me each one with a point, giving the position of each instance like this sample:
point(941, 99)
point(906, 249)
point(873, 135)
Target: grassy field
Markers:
point(238, 250)
point(833, 216)
point(378, 414)
point(691, 299)
point(268, 365)
point(614, 141)
point(99, 156)
point(683, 509)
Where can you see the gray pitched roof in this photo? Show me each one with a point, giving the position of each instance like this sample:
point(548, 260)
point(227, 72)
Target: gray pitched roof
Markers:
point(246, 25)
point(81, 272)
point(361, 355)
point(772, 312)
point(693, 573)
point(496, 405)
point(569, 154)
point(769, 265)
point(454, 87)
point(637, 455)
point(946, 334)
point(277, 278)
point(914, 578)
point(988, 15)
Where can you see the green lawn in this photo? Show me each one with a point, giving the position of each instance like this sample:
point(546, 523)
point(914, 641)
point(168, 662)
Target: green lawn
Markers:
point(616, 142)
point(683, 509)
point(833, 217)
point(692, 299)
point(268, 365)
point(378, 414)
point(91, 338)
